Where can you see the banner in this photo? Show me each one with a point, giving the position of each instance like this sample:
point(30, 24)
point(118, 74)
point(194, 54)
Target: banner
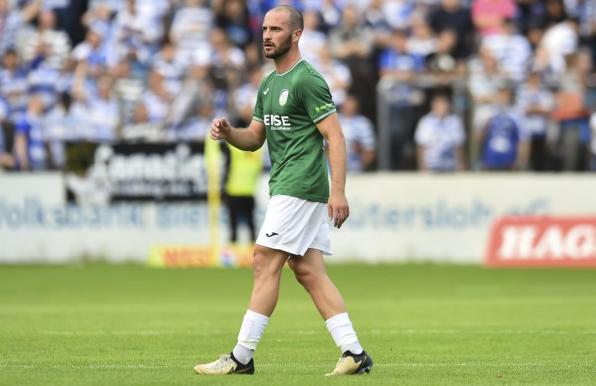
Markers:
point(447, 217)
point(394, 217)
point(542, 241)
point(103, 174)
point(199, 256)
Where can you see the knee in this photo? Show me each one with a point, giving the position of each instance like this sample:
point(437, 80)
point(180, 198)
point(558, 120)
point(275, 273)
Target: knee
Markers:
point(305, 276)
point(264, 264)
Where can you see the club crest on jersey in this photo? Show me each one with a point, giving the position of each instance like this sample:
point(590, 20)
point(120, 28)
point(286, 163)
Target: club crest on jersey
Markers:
point(283, 97)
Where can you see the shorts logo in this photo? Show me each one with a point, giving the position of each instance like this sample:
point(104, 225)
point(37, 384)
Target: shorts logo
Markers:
point(271, 234)
point(283, 97)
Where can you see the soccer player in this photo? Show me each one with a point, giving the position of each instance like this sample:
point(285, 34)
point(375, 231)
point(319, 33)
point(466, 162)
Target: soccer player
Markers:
point(294, 112)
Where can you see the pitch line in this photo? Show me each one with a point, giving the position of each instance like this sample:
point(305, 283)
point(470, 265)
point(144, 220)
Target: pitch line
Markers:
point(278, 365)
point(318, 332)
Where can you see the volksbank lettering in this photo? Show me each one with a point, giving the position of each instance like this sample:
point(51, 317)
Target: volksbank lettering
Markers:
point(438, 215)
point(31, 214)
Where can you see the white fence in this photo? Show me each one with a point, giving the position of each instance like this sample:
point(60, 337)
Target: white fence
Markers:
point(394, 217)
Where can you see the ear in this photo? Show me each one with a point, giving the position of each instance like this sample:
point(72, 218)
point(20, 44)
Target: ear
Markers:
point(296, 35)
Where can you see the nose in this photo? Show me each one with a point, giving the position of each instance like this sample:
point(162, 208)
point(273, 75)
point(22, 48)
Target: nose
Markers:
point(266, 35)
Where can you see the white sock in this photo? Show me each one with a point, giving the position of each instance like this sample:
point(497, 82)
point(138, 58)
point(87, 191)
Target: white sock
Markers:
point(343, 334)
point(251, 331)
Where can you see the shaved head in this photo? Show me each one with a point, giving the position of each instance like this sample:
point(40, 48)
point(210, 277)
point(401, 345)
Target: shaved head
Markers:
point(295, 16)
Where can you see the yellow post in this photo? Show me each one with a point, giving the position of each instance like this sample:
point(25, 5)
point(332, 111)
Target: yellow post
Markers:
point(213, 160)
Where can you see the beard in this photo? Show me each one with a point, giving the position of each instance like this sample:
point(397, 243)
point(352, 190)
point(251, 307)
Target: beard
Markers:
point(280, 50)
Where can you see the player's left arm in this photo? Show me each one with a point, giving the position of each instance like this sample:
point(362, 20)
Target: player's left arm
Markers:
point(337, 206)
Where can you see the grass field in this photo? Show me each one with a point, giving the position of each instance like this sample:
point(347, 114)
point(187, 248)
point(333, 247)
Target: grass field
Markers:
point(423, 325)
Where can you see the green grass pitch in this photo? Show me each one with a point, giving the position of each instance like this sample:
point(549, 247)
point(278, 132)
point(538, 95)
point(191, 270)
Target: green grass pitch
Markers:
point(422, 324)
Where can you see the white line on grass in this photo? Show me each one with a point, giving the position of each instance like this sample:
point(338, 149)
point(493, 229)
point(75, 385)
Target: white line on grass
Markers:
point(318, 332)
point(134, 366)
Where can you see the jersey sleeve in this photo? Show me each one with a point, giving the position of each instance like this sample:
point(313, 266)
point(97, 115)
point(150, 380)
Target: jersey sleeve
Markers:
point(317, 99)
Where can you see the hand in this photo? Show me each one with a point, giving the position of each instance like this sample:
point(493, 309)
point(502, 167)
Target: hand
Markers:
point(338, 209)
point(220, 129)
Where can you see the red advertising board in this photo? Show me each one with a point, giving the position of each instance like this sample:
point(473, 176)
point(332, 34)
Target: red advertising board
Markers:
point(542, 241)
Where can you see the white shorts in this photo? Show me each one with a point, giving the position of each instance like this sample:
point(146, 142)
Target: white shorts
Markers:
point(294, 225)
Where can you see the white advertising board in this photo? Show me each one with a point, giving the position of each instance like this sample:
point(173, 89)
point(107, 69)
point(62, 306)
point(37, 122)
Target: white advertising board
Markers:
point(394, 217)
point(429, 217)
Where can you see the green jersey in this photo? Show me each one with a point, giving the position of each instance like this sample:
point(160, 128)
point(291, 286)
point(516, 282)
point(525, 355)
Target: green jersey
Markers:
point(289, 105)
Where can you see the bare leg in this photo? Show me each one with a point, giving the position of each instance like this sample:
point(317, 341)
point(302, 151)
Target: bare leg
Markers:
point(310, 272)
point(267, 266)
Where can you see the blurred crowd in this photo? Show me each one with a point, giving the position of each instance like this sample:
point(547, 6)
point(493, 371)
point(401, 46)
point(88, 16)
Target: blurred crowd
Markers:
point(476, 84)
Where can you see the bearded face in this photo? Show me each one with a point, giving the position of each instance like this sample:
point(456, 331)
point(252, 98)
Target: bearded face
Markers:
point(274, 50)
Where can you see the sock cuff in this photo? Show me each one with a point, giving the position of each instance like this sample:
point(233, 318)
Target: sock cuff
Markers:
point(337, 320)
point(255, 316)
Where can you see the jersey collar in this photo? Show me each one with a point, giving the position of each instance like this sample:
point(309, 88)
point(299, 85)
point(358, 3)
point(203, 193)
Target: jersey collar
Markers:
point(291, 68)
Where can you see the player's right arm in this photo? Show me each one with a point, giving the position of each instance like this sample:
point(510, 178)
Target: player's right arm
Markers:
point(249, 139)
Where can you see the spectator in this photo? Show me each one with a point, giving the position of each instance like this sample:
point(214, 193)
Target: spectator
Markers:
point(359, 134)
point(30, 148)
point(157, 99)
point(586, 12)
point(190, 28)
point(170, 67)
point(535, 103)
point(56, 42)
point(336, 74)
point(232, 17)
point(227, 61)
point(137, 32)
point(312, 40)
point(6, 140)
point(571, 114)
point(195, 129)
point(100, 108)
point(64, 123)
point(12, 20)
point(555, 11)
point(402, 69)
point(245, 96)
point(443, 62)
point(100, 18)
point(503, 140)
point(351, 40)
point(484, 81)
point(13, 85)
point(559, 41)
point(398, 13)
point(43, 79)
point(593, 142)
point(511, 50)
point(141, 129)
point(451, 16)
point(375, 18)
point(6, 158)
point(330, 14)
point(422, 41)
point(352, 43)
point(488, 15)
point(397, 62)
point(92, 52)
point(530, 14)
point(440, 138)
